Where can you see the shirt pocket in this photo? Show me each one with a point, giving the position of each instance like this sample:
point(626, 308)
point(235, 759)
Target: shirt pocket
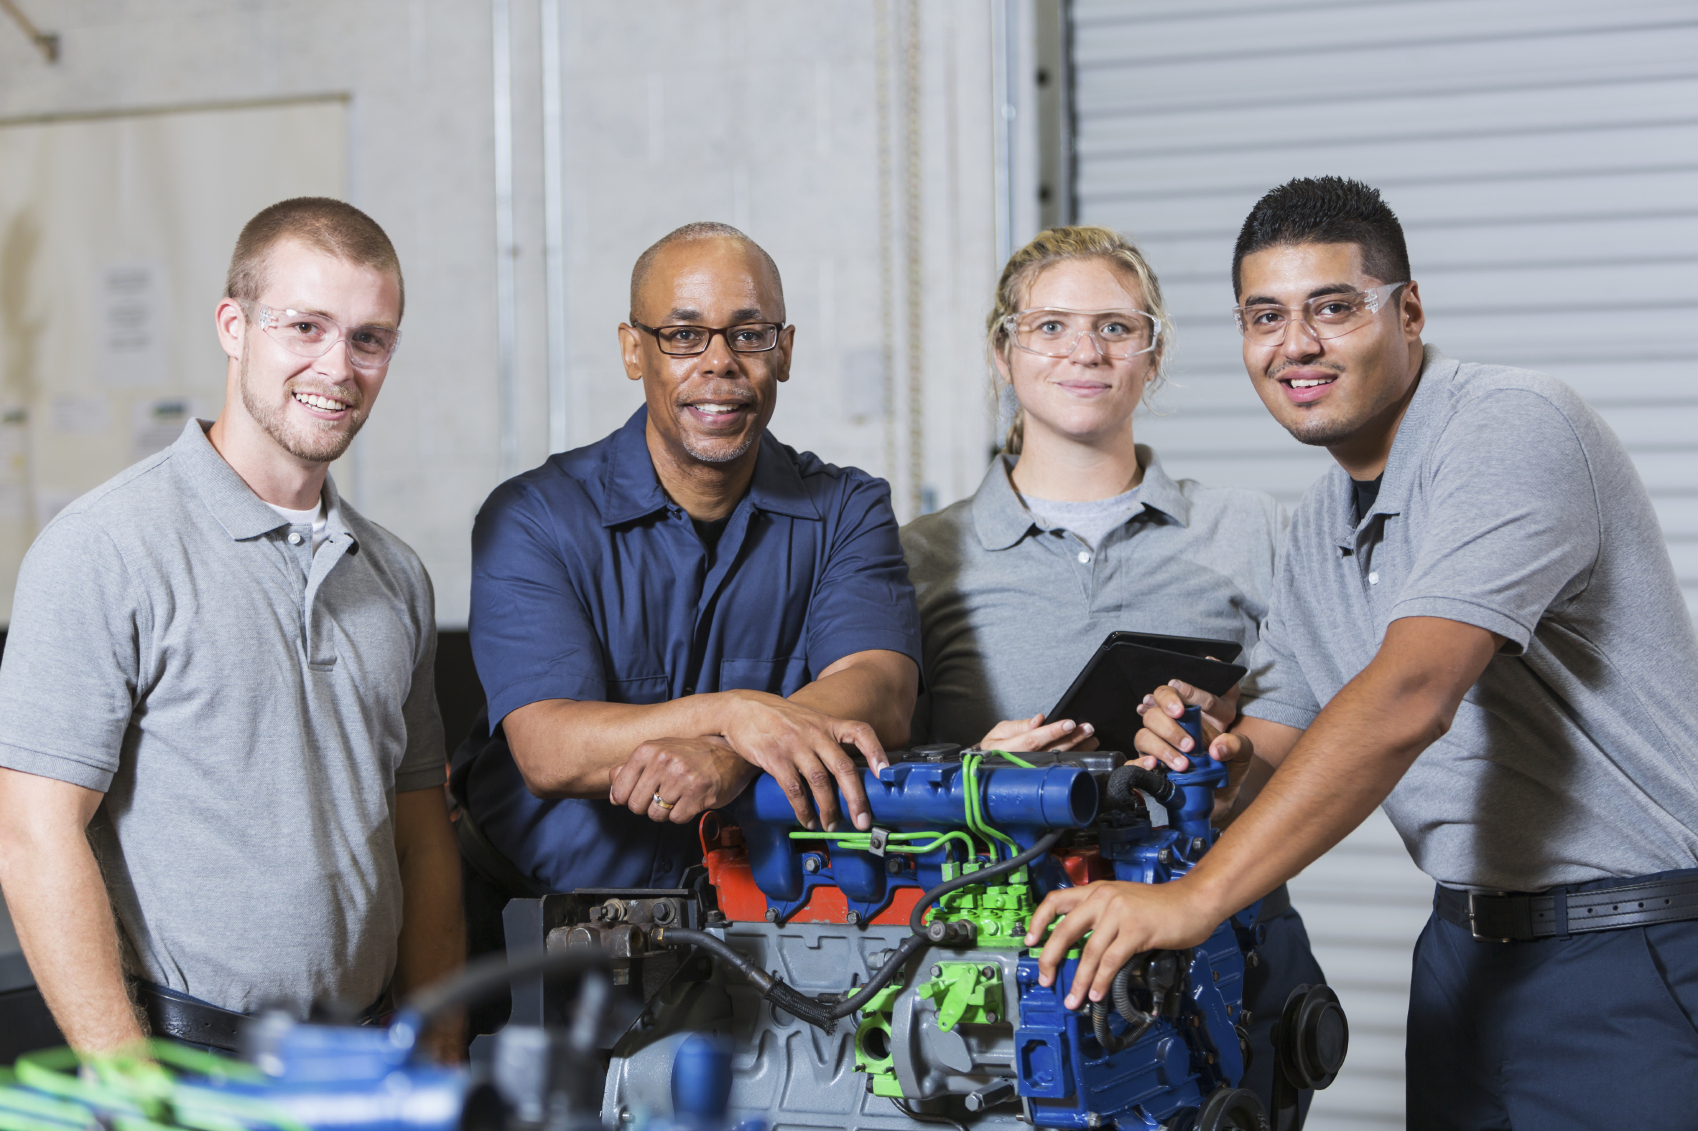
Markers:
point(783, 675)
point(640, 690)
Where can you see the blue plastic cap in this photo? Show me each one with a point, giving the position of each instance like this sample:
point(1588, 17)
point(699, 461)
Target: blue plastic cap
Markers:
point(701, 1080)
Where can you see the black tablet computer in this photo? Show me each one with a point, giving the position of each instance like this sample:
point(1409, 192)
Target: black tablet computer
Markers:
point(1130, 665)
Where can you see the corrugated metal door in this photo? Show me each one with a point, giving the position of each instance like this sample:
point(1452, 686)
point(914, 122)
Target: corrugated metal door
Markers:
point(1543, 157)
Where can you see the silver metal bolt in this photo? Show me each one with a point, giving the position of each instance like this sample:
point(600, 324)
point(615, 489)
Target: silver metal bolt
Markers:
point(1198, 844)
point(990, 1017)
point(989, 971)
point(1164, 857)
point(810, 863)
point(772, 915)
point(937, 971)
point(852, 918)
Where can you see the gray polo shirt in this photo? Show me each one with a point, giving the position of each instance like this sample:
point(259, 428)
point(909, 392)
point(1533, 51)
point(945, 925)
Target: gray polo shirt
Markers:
point(1011, 608)
point(248, 707)
point(1508, 504)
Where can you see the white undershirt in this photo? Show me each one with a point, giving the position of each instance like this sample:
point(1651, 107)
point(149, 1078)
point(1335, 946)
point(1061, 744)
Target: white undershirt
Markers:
point(1091, 520)
point(314, 515)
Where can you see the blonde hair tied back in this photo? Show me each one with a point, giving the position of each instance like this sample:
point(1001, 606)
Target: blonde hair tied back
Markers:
point(1080, 243)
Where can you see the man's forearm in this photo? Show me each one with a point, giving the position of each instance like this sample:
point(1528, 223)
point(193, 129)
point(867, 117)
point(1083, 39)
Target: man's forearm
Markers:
point(61, 912)
point(879, 693)
point(1347, 762)
point(570, 748)
point(433, 931)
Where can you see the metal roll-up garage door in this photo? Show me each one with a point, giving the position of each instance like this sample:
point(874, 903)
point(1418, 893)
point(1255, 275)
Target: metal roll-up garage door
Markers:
point(1543, 157)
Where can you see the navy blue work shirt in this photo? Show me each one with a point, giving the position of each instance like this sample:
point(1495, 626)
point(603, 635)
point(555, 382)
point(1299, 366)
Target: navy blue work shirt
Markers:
point(588, 583)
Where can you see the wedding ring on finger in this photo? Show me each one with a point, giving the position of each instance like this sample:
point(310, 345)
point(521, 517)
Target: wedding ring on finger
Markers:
point(668, 805)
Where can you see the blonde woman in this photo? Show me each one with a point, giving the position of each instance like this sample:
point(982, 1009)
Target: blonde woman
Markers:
point(1076, 531)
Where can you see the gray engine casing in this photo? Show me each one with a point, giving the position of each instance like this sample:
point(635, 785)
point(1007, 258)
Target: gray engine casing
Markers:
point(792, 1074)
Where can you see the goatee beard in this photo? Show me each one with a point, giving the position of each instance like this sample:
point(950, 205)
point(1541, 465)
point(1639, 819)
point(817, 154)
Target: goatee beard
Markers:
point(323, 445)
point(719, 455)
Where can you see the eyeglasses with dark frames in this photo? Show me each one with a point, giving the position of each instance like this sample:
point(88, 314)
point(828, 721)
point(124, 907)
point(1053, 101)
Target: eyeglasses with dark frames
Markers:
point(689, 341)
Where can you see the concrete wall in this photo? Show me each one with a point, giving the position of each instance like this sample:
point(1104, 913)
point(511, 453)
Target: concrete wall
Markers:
point(761, 113)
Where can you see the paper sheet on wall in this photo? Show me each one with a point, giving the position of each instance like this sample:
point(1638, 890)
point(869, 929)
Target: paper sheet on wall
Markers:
point(14, 463)
point(115, 235)
point(156, 424)
point(132, 324)
point(81, 416)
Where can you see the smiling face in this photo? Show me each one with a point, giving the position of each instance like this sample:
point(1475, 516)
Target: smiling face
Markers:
point(312, 407)
point(1085, 396)
point(710, 408)
point(1344, 393)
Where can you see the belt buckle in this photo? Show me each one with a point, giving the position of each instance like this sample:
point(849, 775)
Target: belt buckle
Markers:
point(1473, 929)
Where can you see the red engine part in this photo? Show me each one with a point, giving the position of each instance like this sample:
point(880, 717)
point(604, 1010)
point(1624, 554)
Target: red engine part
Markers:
point(1086, 865)
point(742, 902)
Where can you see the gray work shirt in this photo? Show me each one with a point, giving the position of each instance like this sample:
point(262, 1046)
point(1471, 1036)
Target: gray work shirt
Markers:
point(1011, 609)
point(248, 707)
point(1508, 504)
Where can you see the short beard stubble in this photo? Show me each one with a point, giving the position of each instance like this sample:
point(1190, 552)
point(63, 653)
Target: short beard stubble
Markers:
point(718, 454)
point(324, 446)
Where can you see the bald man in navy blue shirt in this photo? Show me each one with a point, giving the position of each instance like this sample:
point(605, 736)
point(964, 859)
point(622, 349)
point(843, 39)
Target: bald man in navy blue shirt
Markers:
point(659, 616)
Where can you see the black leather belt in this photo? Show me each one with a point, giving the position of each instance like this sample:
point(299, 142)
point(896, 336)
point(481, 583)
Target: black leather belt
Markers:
point(1515, 917)
point(185, 1018)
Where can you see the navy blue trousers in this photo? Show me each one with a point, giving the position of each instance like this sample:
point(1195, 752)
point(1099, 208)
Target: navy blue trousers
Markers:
point(1284, 961)
point(1562, 1034)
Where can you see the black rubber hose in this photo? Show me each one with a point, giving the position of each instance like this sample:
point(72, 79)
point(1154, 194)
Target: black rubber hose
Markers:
point(781, 993)
point(905, 950)
point(826, 1017)
point(919, 1116)
point(1002, 868)
point(1130, 777)
point(1137, 1021)
point(488, 975)
point(1123, 1004)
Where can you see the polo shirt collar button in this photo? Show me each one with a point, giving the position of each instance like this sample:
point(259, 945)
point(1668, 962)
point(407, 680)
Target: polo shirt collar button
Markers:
point(294, 539)
point(1084, 556)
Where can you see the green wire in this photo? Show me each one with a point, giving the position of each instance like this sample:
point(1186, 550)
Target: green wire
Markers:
point(1021, 762)
point(859, 841)
point(974, 815)
point(970, 767)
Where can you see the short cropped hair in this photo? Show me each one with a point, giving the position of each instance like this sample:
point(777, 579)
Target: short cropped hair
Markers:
point(1326, 210)
point(700, 230)
point(331, 226)
point(1080, 243)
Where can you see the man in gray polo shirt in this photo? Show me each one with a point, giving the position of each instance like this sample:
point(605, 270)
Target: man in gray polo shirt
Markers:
point(1476, 623)
point(222, 782)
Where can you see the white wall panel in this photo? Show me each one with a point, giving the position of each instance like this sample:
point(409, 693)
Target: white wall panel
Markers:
point(759, 113)
point(1543, 157)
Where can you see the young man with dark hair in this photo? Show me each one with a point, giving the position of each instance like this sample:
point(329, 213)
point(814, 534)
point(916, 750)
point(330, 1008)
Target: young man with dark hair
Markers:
point(221, 765)
point(662, 614)
point(1477, 624)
